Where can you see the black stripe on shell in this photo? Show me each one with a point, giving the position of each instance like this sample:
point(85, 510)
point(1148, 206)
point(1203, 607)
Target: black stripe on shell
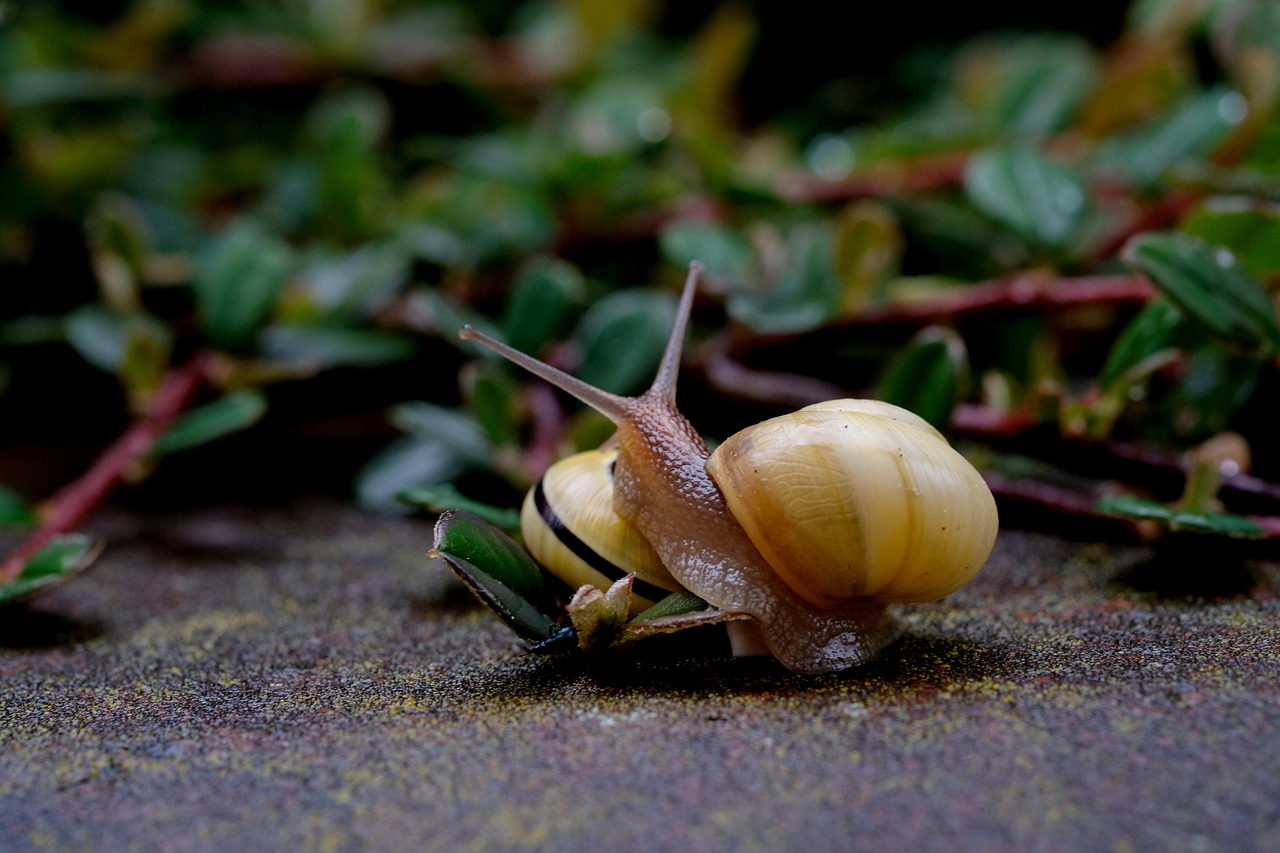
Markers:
point(583, 551)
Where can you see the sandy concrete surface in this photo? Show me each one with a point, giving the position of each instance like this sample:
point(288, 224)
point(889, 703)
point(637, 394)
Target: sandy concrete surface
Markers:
point(303, 678)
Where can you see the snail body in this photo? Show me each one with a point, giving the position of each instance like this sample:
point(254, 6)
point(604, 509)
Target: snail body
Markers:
point(721, 523)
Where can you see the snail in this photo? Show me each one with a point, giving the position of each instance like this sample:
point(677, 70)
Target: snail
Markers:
point(812, 522)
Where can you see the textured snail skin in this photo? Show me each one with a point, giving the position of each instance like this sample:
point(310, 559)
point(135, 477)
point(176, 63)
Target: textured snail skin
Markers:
point(662, 486)
point(570, 527)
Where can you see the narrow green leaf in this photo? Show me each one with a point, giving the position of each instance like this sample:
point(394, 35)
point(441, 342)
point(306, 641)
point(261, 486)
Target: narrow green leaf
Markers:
point(539, 303)
point(1140, 509)
point(329, 347)
point(62, 558)
point(925, 377)
point(1040, 200)
point(405, 464)
point(498, 571)
point(456, 430)
point(622, 337)
point(1210, 286)
point(1131, 506)
point(1191, 130)
point(231, 413)
point(237, 278)
point(722, 251)
point(1151, 330)
point(442, 497)
point(675, 604)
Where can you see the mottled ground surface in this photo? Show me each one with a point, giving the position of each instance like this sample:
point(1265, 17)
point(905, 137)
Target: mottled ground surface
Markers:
point(303, 678)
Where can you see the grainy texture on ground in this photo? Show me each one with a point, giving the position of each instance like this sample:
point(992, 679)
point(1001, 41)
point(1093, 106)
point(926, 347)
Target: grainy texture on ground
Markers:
point(304, 678)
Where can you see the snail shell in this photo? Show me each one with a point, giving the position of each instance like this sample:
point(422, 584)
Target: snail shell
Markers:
point(810, 523)
point(571, 529)
point(857, 499)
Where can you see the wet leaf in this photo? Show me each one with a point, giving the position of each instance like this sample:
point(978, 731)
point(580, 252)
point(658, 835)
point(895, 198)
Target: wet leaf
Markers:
point(1191, 130)
point(539, 303)
point(1250, 230)
point(1152, 330)
point(495, 404)
point(498, 571)
point(1040, 200)
point(64, 557)
point(621, 338)
point(925, 376)
point(805, 293)
point(442, 497)
point(1140, 509)
point(1210, 286)
point(236, 411)
point(336, 346)
point(454, 429)
point(723, 252)
point(405, 464)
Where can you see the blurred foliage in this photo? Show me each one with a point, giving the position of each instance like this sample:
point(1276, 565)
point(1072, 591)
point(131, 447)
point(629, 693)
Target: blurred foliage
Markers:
point(304, 186)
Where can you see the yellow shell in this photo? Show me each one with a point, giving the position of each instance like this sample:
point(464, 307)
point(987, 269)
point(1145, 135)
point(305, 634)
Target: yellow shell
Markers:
point(571, 529)
point(857, 499)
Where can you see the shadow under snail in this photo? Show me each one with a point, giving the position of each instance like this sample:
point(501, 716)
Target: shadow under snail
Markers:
point(811, 522)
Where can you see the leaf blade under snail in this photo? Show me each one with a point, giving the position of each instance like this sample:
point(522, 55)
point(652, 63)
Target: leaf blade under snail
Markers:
point(498, 571)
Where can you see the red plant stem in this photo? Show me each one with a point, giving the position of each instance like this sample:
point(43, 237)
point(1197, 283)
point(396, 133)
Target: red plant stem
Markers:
point(76, 502)
point(1022, 292)
point(919, 175)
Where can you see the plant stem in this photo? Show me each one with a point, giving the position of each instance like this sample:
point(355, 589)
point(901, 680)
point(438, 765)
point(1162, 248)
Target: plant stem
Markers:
point(77, 501)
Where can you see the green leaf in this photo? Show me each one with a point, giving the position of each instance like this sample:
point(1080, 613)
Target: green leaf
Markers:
point(1250, 230)
point(622, 337)
point(1152, 330)
point(15, 511)
point(1040, 200)
point(114, 341)
point(236, 280)
point(498, 571)
point(675, 604)
point(1191, 130)
point(335, 346)
point(1043, 81)
point(456, 430)
point(806, 293)
point(1215, 382)
point(407, 463)
point(442, 497)
point(722, 251)
point(62, 558)
point(540, 301)
point(494, 399)
point(1210, 286)
point(1140, 509)
point(231, 413)
point(358, 284)
point(925, 376)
